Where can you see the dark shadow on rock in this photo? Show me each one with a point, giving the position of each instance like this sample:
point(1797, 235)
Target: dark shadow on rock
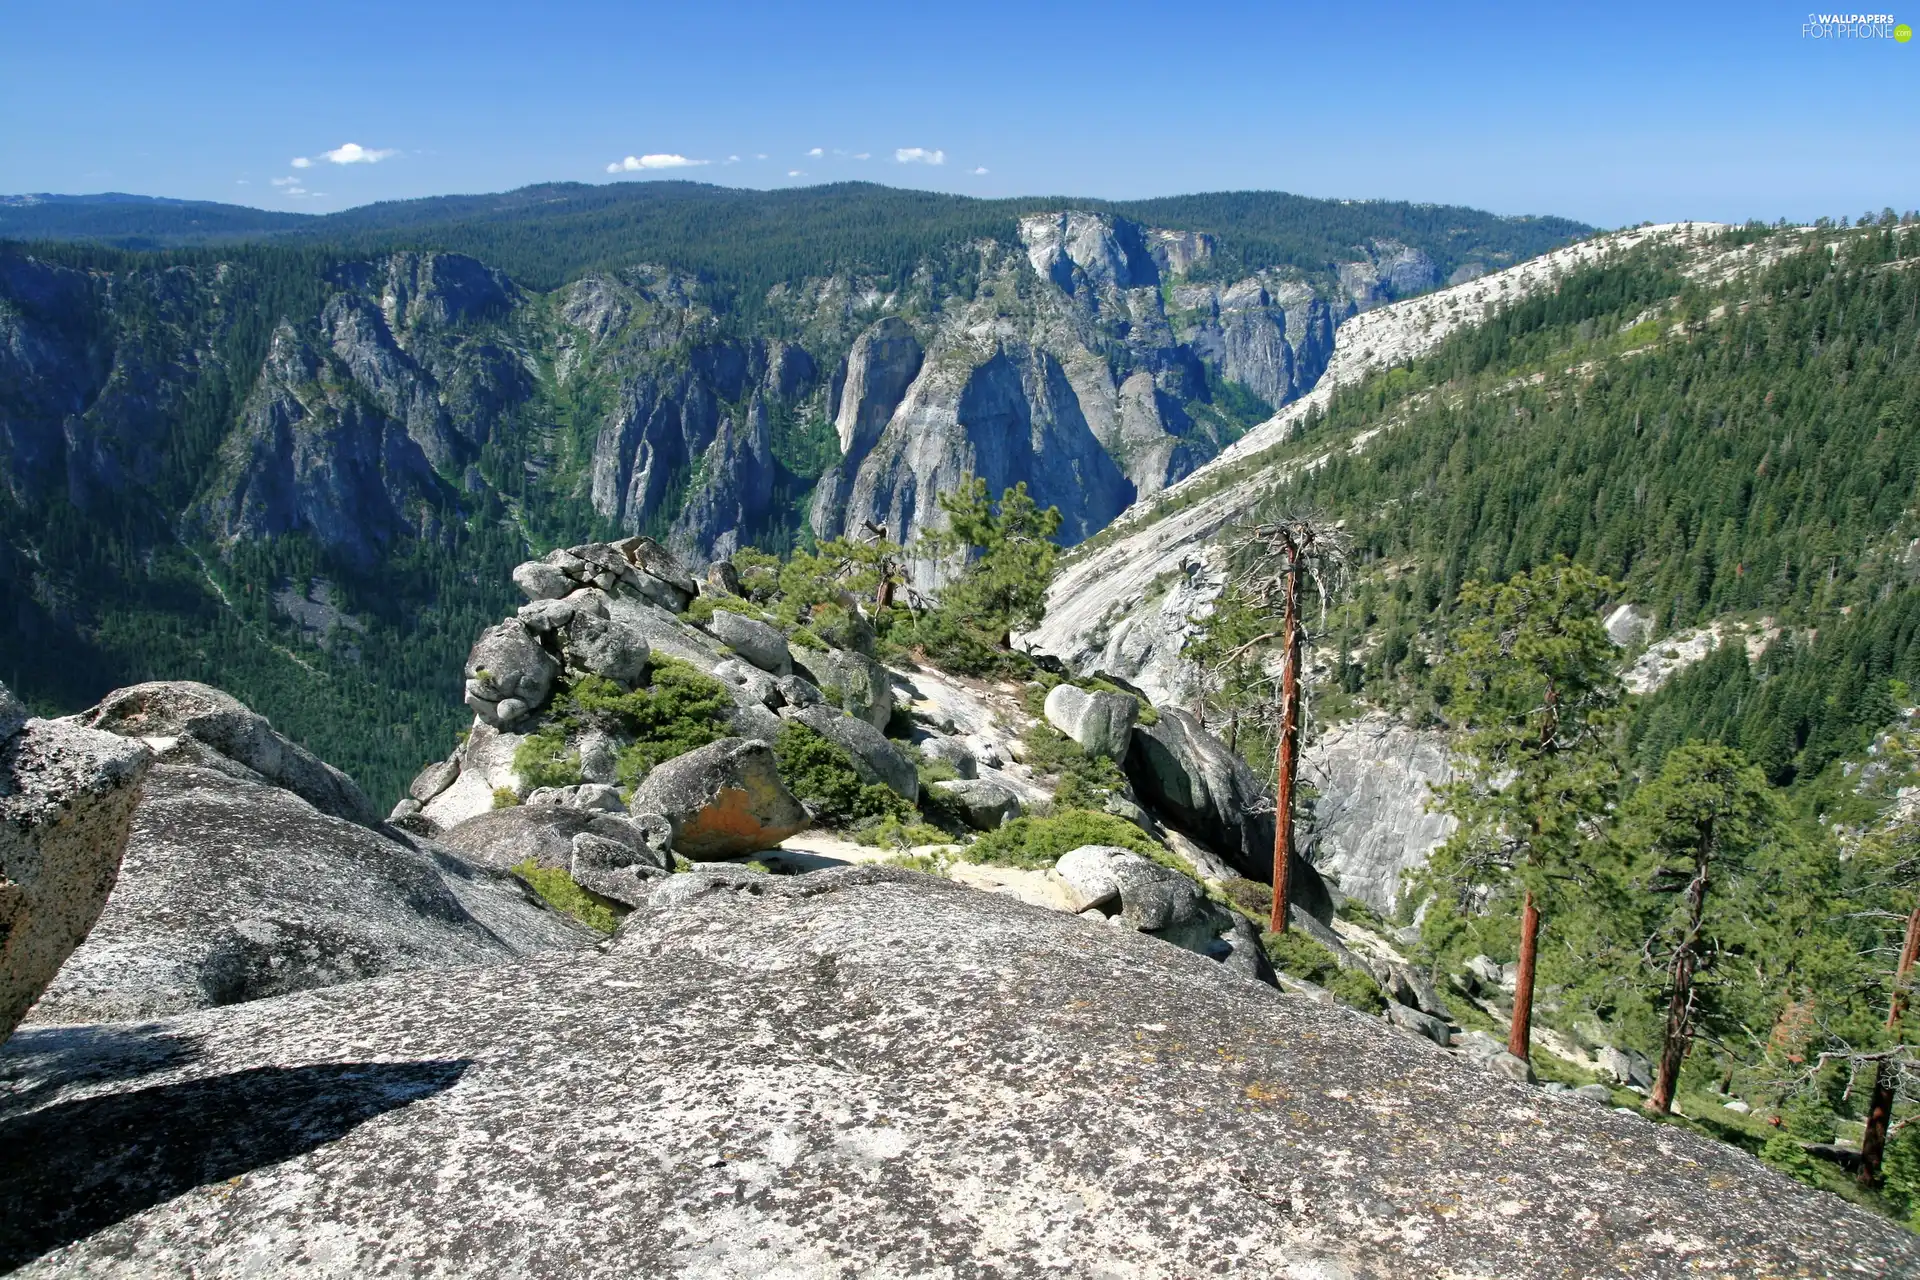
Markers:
point(38, 1060)
point(73, 1168)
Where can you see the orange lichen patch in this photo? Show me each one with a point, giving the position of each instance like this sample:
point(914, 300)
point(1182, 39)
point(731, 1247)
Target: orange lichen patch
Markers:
point(729, 825)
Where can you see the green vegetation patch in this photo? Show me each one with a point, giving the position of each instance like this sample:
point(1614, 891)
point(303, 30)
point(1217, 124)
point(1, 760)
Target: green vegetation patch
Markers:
point(679, 710)
point(1297, 955)
point(560, 891)
point(1038, 842)
point(823, 776)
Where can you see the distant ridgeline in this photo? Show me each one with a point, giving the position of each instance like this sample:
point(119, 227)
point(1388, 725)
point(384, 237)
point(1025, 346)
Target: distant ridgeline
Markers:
point(296, 456)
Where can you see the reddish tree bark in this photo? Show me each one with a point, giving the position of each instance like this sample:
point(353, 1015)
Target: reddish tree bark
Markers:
point(1286, 763)
point(1520, 1034)
point(1873, 1142)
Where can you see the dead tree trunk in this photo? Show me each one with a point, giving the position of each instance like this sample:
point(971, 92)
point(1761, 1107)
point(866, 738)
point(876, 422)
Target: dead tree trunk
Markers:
point(1873, 1142)
point(1679, 1030)
point(1286, 759)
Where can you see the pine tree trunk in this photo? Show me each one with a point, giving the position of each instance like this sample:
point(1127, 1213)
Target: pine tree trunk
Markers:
point(1520, 1034)
point(1873, 1142)
point(1679, 1030)
point(1285, 762)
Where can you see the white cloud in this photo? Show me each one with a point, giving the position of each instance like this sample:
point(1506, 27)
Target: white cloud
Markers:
point(354, 153)
point(863, 155)
point(796, 173)
point(816, 153)
point(977, 172)
point(286, 182)
point(301, 162)
point(733, 160)
point(241, 182)
point(760, 155)
point(634, 164)
point(919, 155)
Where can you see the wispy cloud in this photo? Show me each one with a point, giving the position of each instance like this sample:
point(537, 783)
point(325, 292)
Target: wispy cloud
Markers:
point(919, 155)
point(816, 153)
point(286, 182)
point(863, 155)
point(977, 172)
point(732, 160)
point(760, 155)
point(796, 173)
point(301, 162)
point(634, 164)
point(291, 187)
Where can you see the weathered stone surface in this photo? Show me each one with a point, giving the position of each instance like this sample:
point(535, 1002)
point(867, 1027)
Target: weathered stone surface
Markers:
point(723, 578)
point(607, 648)
point(1628, 1066)
point(859, 1072)
point(1191, 781)
point(615, 869)
point(1145, 895)
point(1421, 1024)
point(723, 800)
point(539, 580)
point(541, 832)
point(67, 798)
point(506, 664)
point(1371, 823)
point(234, 890)
point(950, 751)
point(434, 779)
point(485, 762)
point(797, 691)
point(984, 803)
point(875, 757)
point(864, 688)
point(753, 640)
point(593, 797)
point(757, 685)
point(221, 722)
point(880, 367)
point(1102, 723)
point(13, 714)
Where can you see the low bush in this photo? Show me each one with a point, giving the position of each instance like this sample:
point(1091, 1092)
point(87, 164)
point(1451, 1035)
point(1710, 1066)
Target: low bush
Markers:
point(823, 776)
point(679, 709)
point(1086, 781)
point(560, 891)
point(891, 833)
point(1038, 842)
point(505, 797)
point(1298, 955)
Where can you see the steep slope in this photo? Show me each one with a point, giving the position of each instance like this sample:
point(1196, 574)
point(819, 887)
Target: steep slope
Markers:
point(1123, 604)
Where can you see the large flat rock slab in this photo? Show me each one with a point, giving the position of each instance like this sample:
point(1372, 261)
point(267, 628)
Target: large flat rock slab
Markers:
point(862, 1072)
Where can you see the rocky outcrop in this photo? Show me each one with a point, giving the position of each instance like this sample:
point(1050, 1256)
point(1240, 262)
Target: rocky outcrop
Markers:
point(1102, 723)
point(1371, 823)
point(509, 674)
point(855, 1072)
point(233, 889)
point(723, 800)
point(543, 834)
point(984, 804)
point(880, 367)
point(855, 683)
point(165, 711)
point(1128, 889)
point(67, 797)
point(753, 640)
point(1190, 779)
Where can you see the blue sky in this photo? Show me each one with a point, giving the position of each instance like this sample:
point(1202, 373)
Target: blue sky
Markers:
point(1621, 113)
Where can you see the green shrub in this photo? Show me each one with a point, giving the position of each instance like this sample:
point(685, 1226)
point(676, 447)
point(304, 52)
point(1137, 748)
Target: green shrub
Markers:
point(559, 891)
point(1039, 842)
point(1296, 954)
point(900, 723)
point(891, 833)
point(823, 776)
point(543, 760)
point(954, 644)
point(802, 638)
point(1086, 781)
point(1789, 1157)
point(679, 710)
point(1901, 1173)
point(1250, 896)
point(505, 797)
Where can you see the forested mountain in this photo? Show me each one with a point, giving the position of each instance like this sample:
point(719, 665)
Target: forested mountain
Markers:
point(300, 467)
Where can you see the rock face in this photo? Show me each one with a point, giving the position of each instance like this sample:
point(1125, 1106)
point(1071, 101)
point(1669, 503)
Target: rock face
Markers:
point(542, 833)
point(1129, 889)
point(753, 640)
point(854, 1073)
point(864, 689)
point(1102, 723)
point(985, 804)
point(723, 800)
point(880, 368)
point(508, 674)
point(224, 725)
point(234, 890)
point(1371, 824)
point(67, 797)
point(1190, 778)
